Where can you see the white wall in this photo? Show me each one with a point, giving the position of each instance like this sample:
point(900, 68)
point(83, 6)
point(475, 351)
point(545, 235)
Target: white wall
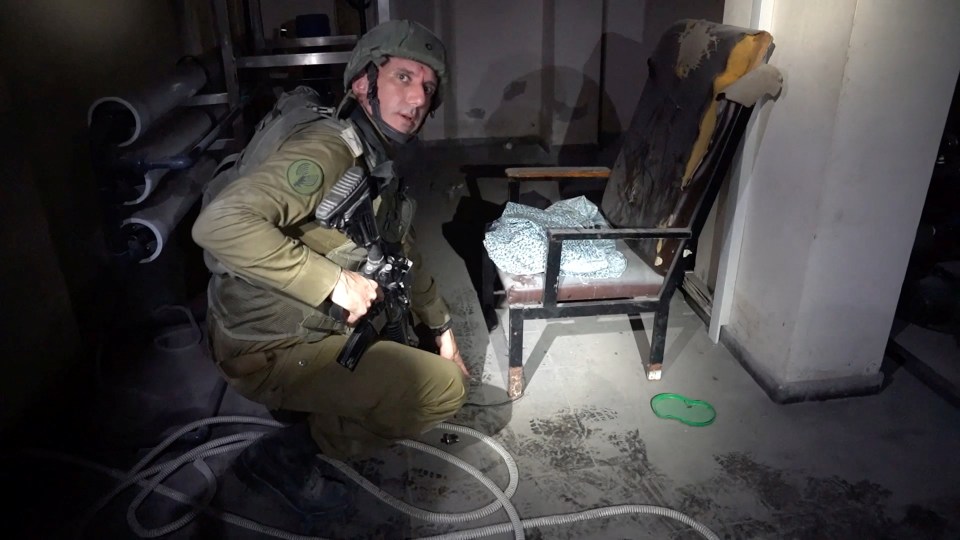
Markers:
point(627, 40)
point(839, 182)
point(572, 58)
point(497, 68)
point(501, 68)
point(532, 69)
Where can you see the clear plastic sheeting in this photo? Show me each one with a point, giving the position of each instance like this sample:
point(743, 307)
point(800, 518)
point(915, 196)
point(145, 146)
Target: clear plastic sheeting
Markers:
point(517, 241)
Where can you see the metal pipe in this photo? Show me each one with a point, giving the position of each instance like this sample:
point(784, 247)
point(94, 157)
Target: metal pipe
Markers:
point(300, 59)
point(131, 115)
point(159, 151)
point(148, 229)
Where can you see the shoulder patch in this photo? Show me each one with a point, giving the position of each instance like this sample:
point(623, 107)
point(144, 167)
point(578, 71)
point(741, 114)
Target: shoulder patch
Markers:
point(305, 176)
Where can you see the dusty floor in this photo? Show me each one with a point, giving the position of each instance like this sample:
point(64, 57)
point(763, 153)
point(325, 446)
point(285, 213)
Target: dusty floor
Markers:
point(583, 436)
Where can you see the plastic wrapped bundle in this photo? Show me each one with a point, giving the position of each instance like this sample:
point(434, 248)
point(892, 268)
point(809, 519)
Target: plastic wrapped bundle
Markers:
point(517, 241)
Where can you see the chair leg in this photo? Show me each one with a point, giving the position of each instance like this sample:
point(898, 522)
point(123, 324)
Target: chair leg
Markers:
point(488, 302)
point(658, 342)
point(513, 188)
point(515, 348)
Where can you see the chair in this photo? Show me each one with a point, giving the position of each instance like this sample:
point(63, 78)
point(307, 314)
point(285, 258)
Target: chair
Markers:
point(704, 79)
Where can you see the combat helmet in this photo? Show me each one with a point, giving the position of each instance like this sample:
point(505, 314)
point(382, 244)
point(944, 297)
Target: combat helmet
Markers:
point(403, 39)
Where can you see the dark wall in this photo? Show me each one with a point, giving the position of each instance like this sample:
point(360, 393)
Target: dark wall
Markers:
point(59, 56)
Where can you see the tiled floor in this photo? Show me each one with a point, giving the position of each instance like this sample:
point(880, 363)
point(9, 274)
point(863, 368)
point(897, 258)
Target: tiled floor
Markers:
point(584, 436)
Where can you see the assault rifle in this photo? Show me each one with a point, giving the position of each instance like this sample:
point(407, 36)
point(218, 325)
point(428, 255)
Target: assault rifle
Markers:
point(348, 207)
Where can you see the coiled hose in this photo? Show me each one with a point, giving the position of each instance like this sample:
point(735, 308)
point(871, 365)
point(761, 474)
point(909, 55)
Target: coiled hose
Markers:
point(150, 480)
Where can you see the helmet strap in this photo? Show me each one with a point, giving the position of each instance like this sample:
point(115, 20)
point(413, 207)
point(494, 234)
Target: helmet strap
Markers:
point(388, 132)
point(373, 141)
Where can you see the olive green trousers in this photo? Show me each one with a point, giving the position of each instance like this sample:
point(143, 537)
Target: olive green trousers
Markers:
point(395, 392)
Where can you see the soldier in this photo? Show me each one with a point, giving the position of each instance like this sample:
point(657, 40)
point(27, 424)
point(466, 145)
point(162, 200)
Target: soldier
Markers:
point(276, 275)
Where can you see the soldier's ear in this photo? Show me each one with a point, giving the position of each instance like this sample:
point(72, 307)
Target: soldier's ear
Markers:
point(360, 85)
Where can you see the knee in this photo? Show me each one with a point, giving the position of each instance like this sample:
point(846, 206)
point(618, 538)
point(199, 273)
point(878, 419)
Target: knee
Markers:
point(440, 398)
point(452, 397)
point(427, 390)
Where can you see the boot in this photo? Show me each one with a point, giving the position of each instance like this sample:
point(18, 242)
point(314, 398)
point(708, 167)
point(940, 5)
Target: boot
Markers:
point(285, 464)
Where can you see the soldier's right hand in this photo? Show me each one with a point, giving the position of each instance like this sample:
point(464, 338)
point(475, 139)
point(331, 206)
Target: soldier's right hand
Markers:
point(355, 294)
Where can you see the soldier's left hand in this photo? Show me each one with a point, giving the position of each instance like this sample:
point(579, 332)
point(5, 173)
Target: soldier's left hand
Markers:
point(449, 350)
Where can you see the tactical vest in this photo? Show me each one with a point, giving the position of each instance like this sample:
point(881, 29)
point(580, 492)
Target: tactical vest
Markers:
point(253, 312)
point(292, 111)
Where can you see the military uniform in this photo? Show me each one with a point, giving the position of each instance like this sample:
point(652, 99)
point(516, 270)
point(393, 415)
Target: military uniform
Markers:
point(274, 271)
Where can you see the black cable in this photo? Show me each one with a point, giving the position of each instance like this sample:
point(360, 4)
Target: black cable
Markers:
point(500, 404)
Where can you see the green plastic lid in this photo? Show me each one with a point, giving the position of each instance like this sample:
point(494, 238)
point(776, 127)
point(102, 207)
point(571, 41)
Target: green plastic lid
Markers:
point(692, 412)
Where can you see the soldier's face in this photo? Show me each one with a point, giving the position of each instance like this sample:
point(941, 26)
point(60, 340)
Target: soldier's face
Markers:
point(405, 89)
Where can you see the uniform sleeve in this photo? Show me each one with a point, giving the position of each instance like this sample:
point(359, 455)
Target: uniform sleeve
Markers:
point(243, 227)
point(425, 300)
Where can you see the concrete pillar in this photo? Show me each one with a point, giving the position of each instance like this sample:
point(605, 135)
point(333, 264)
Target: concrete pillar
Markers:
point(837, 188)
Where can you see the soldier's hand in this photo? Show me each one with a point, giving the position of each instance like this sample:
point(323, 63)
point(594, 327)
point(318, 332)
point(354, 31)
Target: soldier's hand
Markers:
point(449, 350)
point(355, 294)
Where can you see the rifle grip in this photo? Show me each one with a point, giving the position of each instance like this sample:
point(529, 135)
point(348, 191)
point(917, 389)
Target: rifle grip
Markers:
point(338, 313)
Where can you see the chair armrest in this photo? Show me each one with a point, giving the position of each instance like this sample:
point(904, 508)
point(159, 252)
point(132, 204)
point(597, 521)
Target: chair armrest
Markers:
point(515, 175)
point(546, 173)
point(556, 236)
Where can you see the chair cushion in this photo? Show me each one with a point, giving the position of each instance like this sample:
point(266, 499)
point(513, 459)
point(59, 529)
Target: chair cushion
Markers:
point(638, 280)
